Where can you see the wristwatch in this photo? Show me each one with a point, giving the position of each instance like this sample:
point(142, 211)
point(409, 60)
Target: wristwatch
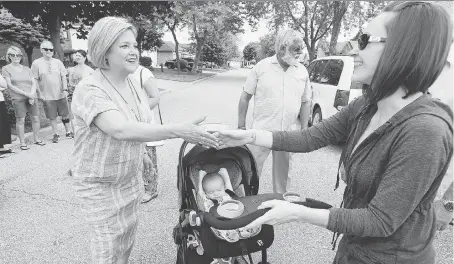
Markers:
point(242, 128)
point(447, 204)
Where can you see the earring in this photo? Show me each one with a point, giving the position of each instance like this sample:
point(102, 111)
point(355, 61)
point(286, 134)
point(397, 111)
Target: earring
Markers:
point(107, 62)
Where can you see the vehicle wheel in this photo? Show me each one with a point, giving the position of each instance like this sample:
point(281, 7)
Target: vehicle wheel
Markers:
point(317, 116)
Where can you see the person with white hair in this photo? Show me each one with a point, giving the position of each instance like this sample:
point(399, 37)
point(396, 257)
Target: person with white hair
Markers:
point(112, 121)
point(281, 89)
point(53, 88)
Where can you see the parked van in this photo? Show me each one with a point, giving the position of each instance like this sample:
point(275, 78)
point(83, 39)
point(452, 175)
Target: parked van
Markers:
point(332, 87)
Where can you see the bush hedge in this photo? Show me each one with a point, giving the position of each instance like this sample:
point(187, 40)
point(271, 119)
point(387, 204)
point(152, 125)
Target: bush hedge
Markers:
point(183, 64)
point(145, 61)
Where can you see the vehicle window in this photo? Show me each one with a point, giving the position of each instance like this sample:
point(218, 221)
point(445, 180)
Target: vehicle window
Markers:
point(311, 67)
point(332, 72)
point(317, 70)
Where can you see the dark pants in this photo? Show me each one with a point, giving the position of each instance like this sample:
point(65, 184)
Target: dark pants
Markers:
point(5, 131)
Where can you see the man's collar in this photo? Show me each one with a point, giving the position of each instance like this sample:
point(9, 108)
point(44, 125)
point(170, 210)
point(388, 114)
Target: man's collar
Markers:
point(274, 59)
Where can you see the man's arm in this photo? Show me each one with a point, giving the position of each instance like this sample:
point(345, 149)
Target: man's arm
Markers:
point(306, 104)
point(243, 106)
point(248, 91)
point(443, 216)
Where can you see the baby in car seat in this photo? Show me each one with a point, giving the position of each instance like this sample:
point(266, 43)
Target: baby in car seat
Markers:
point(215, 187)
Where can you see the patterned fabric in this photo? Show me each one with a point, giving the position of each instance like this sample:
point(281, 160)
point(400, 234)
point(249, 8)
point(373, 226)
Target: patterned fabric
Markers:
point(107, 171)
point(150, 178)
point(277, 94)
point(49, 74)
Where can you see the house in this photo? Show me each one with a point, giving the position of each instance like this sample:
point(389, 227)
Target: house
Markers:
point(165, 52)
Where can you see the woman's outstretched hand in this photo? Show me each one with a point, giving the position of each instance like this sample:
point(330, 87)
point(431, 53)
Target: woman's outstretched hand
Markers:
point(193, 133)
point(233, 138)
point(280, 212)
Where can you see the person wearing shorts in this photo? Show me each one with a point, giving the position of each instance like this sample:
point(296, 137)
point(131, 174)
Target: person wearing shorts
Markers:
point(53, 88)
point(22, 89)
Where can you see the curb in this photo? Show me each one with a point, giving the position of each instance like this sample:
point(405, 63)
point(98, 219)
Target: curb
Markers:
point(203, 79)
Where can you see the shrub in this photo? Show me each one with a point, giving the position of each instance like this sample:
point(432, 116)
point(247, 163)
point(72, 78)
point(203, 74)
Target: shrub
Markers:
point(145, 61)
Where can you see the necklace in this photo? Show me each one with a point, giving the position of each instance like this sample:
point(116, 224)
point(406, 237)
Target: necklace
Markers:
point(133, 93)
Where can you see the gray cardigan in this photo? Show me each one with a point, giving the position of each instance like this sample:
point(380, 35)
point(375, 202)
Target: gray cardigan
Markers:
point(392, 178)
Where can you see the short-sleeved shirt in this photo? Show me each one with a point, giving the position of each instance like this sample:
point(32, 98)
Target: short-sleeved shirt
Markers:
point(278, 94)
point(97, 155)
point(21, 78)
point(146, 74)
point(49, 74)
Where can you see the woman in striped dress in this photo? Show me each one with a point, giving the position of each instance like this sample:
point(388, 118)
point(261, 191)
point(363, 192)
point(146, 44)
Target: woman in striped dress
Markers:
point(112, 121)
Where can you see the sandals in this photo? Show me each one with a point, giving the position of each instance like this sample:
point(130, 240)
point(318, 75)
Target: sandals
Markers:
point(6, 151)
point(148, 197)
point(40, 143)
point(24, 147)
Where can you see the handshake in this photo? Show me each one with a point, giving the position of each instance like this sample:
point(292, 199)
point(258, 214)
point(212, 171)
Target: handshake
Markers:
point(216, 136)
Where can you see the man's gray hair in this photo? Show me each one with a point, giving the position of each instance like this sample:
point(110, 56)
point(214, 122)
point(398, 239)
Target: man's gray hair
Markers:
point(45, 42)
point(285, 37)
point(103, 35)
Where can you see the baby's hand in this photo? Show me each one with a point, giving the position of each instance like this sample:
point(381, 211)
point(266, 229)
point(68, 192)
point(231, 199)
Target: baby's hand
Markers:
point(224, 170)
point(202, 172)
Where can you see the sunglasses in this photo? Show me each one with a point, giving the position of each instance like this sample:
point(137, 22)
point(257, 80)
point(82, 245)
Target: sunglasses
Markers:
point(15, 55)
point(365, 39)
point(46, 49)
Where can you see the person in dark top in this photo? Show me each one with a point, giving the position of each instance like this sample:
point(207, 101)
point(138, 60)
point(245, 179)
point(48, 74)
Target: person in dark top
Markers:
point(398, 142)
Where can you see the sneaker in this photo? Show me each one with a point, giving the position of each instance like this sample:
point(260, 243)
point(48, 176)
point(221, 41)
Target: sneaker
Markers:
point(55, 138)
point(70, 135)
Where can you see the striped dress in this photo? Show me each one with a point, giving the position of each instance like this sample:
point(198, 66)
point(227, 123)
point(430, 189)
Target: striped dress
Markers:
point(107, 172)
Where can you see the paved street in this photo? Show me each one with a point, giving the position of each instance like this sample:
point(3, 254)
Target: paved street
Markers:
point(41, 222)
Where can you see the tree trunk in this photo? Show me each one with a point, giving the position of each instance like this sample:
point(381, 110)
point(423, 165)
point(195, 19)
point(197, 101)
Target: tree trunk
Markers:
point(340, 7)
point(176, 50)
point(29, 52)
point(200, 43)
point(54, 27)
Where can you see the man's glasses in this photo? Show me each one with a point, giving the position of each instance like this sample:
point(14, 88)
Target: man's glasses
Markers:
point(15, 55)
point(365, 39)
point(46, 49)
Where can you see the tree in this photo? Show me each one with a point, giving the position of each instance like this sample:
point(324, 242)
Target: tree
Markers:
point(15, 30)
point(149, 33)
point(339, 8)
point(220, 50)
point(250, 51)
point(50, 16)
point(266, 46)
point(209, 19)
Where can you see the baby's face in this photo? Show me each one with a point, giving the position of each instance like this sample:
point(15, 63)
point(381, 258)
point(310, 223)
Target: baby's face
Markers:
point(214, 188)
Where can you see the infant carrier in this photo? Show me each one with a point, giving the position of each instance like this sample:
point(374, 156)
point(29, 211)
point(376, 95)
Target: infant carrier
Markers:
point(194, 236)
point(195, 239)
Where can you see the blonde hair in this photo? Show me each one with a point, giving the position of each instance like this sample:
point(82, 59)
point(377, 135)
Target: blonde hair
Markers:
point(103, 35)
point(13, 49)
point(285, 37)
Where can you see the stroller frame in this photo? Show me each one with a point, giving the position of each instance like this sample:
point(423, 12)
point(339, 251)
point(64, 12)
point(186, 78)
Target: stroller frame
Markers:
point(191, 219)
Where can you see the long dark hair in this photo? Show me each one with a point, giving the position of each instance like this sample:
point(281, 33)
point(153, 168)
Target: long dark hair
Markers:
point(418, 43)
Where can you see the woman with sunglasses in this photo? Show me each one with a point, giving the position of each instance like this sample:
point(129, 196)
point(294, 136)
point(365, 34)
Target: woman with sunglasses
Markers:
point(23, 90)
point(397, 142)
